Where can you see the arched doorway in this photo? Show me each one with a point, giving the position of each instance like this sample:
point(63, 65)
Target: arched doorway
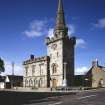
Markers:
point(101, 82)
point(54, 83)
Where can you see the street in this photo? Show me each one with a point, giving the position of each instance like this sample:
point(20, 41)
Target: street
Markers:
point(96, 97)
point(93, 97)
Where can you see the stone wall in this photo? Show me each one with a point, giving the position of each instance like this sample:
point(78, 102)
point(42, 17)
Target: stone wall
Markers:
point(98, 77)
point(55, 52)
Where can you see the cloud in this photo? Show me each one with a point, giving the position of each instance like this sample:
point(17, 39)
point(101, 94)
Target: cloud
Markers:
point(81, 70)
point(50, 32)
point(18, 70)
point(81, 43)
point(37, 28)
point(71, 29)
point(100, 23)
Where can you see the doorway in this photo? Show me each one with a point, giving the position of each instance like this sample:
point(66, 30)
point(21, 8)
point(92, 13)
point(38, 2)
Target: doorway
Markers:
point(54, 83)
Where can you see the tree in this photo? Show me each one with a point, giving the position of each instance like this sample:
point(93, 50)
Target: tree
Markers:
point(2, 69)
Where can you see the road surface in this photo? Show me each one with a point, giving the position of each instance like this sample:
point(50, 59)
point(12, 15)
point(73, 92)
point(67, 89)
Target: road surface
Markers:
point(93, 97)
point(96, 97)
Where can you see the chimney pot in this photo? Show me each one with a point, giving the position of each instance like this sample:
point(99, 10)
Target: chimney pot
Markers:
point(31, 57)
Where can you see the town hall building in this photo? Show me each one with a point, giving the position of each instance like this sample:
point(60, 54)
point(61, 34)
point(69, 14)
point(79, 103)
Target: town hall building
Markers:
point(57, 68)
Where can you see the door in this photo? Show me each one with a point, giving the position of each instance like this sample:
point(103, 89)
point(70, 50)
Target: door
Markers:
point(54, 83)
point(101, 82)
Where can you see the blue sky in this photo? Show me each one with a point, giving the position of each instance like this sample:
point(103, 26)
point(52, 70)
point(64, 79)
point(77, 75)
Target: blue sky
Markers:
point(24, 24)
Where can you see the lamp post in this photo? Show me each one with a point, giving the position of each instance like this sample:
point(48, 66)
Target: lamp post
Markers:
point(13, 68)
point(64, 71)
point(12, 77)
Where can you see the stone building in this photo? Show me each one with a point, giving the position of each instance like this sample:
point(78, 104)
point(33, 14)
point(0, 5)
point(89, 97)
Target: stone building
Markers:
point(56, 69)
point(95, 77)
point(36, 72)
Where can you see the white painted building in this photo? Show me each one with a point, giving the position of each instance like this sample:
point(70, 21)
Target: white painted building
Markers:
point(2, 82)
point(2, 85)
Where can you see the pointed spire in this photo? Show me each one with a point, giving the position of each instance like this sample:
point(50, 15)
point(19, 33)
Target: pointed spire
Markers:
point(60, 7)
point(60, 21)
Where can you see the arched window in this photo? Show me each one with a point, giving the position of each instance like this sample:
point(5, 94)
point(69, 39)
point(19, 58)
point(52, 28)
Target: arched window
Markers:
point(57, 54)
point(40, 82)
point(26, 83)
point(101, 82)
point(35, 82)
point(54, 68)
point(30, 82)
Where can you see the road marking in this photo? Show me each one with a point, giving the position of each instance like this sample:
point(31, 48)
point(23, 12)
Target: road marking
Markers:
point(57, 103)
point(86, 97)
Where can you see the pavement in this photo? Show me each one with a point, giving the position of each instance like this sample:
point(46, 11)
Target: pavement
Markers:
point(91, 97)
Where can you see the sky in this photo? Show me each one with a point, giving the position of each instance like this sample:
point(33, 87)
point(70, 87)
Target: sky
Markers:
point(24, 25)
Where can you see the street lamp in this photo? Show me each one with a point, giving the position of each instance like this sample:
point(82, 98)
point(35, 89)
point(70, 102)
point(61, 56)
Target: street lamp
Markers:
point(12, 77)
point(13, 68)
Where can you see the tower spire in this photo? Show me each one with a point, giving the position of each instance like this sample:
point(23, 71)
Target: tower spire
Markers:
point(60, 21)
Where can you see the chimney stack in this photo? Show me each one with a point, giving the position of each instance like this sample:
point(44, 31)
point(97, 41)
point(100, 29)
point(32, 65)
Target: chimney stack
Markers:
point(32, 57)
point(95, 63)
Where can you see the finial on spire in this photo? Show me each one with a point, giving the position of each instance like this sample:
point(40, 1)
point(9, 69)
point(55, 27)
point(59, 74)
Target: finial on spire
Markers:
point(60, 21)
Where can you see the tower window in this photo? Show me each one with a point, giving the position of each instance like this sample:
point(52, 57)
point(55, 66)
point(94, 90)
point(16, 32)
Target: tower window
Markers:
point(54, 68)
point(57, 54)
point(50, 55)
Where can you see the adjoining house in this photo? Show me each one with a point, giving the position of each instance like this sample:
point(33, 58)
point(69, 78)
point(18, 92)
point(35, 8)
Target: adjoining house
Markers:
point(11, 81)
point(95, 77)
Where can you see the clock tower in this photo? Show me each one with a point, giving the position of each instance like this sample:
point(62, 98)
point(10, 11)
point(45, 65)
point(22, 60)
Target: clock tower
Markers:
point(60, 49)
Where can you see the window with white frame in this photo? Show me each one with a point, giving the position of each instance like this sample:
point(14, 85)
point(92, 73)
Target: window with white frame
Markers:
point(26, 71)
point(41, 69)
point(33, 70)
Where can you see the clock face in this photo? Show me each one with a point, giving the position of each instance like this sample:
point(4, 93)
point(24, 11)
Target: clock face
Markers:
point(54, 46)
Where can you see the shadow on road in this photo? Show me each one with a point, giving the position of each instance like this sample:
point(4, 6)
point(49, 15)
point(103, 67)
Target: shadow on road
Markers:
point(21, 98)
